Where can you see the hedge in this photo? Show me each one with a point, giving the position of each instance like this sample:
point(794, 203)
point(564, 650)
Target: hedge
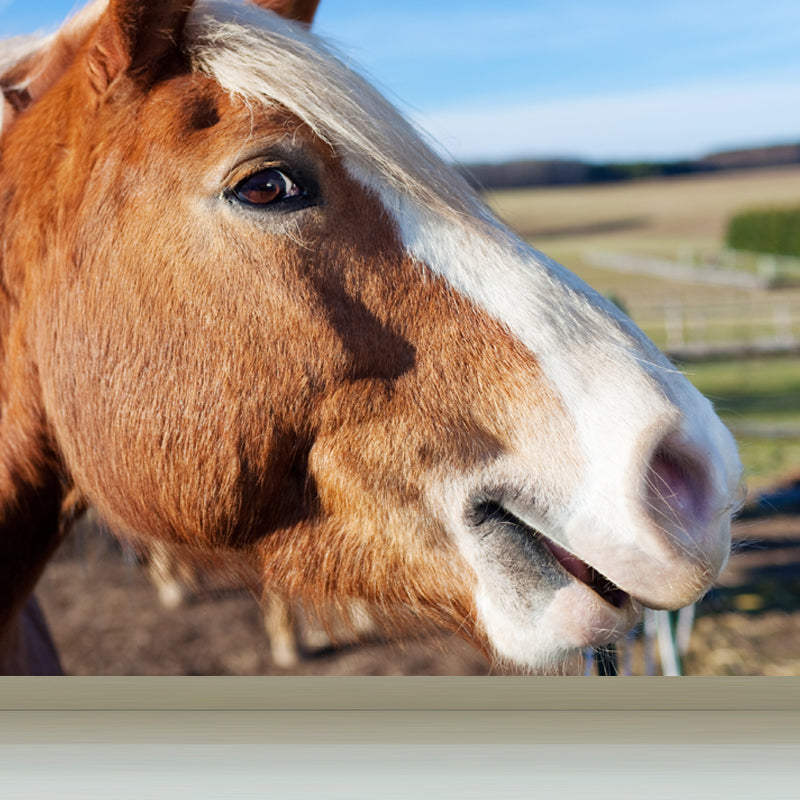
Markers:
point(775, 231)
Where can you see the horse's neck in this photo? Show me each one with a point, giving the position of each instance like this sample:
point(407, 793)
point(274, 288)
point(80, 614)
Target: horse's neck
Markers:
point(30, 507)
point(30, 483)
point(31, 490)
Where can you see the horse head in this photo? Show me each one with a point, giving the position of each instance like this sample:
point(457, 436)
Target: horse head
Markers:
point(247, 310)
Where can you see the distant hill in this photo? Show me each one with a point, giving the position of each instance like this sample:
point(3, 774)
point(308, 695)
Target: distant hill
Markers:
point(777, 156)
point(561, 172)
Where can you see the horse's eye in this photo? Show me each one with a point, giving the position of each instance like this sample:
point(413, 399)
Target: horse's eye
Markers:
point(266, 188)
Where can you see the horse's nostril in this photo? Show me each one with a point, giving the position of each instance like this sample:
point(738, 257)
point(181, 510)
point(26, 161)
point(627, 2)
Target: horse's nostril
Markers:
point(676, 490)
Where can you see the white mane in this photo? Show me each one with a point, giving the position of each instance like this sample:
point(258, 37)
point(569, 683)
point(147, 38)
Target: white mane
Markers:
point(262, 58)
point(17, 48)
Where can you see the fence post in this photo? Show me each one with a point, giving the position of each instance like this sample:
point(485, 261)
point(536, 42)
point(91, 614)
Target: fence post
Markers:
point(767, 268)
point(673, 322)
point(782, 316)
point(699, 325)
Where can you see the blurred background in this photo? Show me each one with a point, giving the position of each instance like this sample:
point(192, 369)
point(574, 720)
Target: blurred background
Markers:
point(654, 149)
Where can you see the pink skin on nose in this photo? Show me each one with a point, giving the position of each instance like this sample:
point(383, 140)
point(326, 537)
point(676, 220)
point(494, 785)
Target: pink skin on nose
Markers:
point(675, 488)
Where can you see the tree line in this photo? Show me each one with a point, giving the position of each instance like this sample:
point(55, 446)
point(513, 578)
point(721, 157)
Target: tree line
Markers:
point(560, 172)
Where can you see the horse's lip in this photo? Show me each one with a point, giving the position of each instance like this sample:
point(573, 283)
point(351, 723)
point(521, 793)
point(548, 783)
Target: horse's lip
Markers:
point(608, 592)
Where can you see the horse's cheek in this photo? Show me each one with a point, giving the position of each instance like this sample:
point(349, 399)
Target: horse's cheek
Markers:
point(133, 436)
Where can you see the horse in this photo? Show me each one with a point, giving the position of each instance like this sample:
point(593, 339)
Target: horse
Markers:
point(247, 310)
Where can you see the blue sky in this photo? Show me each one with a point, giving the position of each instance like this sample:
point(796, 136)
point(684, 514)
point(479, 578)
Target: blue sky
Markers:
point(620, 79)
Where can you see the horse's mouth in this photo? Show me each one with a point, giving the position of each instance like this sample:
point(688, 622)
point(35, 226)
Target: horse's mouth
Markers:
point(586, 573)
point(490, 516)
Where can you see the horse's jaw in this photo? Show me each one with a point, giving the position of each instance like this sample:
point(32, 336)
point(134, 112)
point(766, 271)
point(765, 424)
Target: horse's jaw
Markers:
point(555, 575)
point(540, 603)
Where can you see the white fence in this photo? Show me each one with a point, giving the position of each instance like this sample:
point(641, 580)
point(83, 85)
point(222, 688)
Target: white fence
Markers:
point(685, 271)
point(721, 268)
point(755, 326)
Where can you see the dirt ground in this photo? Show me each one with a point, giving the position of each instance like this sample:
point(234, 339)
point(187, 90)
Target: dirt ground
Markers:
point(107, 619)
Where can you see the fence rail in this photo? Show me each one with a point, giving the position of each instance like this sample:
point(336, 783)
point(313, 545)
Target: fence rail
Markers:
point(720, 268)
point(726, 328)
point(686, 272)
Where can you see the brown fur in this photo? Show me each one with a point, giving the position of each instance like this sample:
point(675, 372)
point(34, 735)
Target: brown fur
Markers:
point(300, 10)
point(274, 394)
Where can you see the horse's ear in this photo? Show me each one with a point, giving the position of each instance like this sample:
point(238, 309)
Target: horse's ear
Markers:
point(137, 38)
point(300, 10)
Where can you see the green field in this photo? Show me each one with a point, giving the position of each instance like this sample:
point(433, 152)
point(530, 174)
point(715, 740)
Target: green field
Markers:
point(671, 218)
point(662, 217)
point(683, 220)
point(760, 402)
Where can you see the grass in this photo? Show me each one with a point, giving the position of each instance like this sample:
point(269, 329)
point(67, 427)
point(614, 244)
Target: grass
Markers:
point(768, 461)
point(760, 401)
point(666, 215)
point(671, 218)
point(762, 390)
point(677, 219)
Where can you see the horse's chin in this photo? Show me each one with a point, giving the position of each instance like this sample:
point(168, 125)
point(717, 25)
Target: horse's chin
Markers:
point(553, 606)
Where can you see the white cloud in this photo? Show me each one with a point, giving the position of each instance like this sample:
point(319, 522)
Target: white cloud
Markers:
point(668, 123)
